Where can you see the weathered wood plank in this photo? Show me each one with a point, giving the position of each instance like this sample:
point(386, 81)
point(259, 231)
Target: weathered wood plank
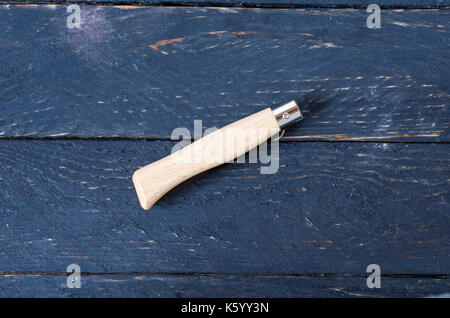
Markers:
point(143, 285)
point(143, 72)
point(263, 3)
point(331, 208)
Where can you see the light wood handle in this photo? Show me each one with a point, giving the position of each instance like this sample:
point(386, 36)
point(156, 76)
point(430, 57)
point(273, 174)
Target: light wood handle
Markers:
point(223, 145)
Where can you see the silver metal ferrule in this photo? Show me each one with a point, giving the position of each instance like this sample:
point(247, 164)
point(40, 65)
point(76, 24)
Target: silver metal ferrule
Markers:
point(287, 114)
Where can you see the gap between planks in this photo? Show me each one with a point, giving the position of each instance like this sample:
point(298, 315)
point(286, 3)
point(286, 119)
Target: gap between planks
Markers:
point(288, 139)
point(428, 276)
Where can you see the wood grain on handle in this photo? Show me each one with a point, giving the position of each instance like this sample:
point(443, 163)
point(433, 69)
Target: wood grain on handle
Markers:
point(223, 145)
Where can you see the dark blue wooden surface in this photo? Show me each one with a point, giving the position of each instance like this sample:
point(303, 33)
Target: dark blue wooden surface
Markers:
point(363, 179)
point(332, 208)
point(117, 77)
point(163, 285)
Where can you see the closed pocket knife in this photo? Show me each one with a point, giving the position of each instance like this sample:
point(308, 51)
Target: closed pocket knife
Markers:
point(223, 145)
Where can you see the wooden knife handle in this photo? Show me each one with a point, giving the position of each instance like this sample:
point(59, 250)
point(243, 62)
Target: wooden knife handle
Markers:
point(223, 145)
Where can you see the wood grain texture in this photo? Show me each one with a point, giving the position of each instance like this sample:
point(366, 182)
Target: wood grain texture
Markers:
point(309, 230)
point(144, 285)
point(223, 145)
point(331, 208)
point(144, 71)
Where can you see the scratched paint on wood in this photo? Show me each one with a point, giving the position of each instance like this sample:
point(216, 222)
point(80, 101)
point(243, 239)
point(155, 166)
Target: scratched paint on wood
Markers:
point(309, 230)
point(331, 208)
point(143, 72)
point(263, 3)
